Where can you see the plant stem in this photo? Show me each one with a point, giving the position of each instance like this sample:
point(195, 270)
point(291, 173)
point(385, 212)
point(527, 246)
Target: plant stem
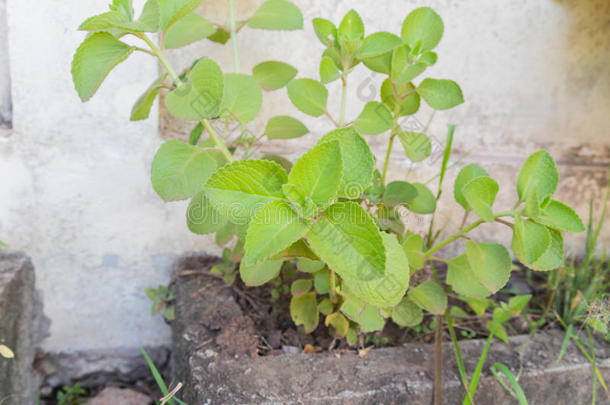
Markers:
point(172, 73)
point(463, 232)
point(387, 158)
point(438, 361)
point(330, 117)
point(233, 36)
point(333, 286)
point(343, 99)
point(458, 354)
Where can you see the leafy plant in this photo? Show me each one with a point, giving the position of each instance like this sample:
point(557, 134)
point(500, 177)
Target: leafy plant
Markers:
point(332, 213)
point(162, 300)
point(71, 395)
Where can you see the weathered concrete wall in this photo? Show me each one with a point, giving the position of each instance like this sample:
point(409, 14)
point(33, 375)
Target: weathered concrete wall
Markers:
point(5, 78)
point(75, 189)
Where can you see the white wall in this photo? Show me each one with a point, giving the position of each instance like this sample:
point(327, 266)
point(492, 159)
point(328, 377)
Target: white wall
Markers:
point(5, 78)
point(75, 182)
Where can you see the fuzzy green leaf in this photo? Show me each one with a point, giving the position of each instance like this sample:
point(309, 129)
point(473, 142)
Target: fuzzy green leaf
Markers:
point(273, 75)
point(141, 109)
point(321, 282)
point(189, 29)
point(325, 30)
point(367, 316)
point(428, 58)
point(329, 72)
point(465, 175)
point(561, 217)
point(173, 11)
point(374, 119)
point(351, 27)
point(498, 330)
point(413, 245)
point(285, 127)
point(277, 15)
point(490, 263)
point(300, 287)
point(180, 170)
point(318, 173)
point(388, 290)
point(347, 228)
point(239, 189)
point(300, 201)
point(308, 265)
point(202, 218)
point(417, 146)
point(461, 277)
point(304, 311)
point(407, 314)
point(480, 193)
point(530, 240)
point(399, 192)
point(357, 158)
point(378, 44)
point(424, 202)
point(242, 98)
point(441, 94)
point(201, 97)
point(553, 255)
point(96, 56)
point(254, 275)
point(123, 6)
point(430, 297)
point(339, 324)
point(409, 100)
point(308, 95)
point(539, 173)
point(422, 25)
point(519, 302)
point(402, 70)
point(272, 229)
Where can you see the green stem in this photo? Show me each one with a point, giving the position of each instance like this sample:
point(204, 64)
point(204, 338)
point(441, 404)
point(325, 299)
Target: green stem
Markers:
point(387, 158)
point(333, 286)
point(458, 354)
point(463, 232)
point(343, 99)
point(233, 35)
point(172, 73)
point(477, 372)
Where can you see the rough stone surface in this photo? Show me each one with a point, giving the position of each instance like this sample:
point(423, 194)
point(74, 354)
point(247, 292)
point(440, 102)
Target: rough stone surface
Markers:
point(22, 326)
point(118, 396)
point(396, 375)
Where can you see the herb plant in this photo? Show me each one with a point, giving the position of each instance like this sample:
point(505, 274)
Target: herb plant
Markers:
point(332, 213)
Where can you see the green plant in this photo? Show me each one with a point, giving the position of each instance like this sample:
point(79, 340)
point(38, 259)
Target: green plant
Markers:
point(169, 397)
point(71, 395)
point(333, 213)
point(162, 300)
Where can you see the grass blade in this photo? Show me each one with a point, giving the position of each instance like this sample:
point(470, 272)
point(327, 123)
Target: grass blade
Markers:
point(157, 375)
point(458, 355)
point(477, 371)
point(515, 390)
point(564, 345)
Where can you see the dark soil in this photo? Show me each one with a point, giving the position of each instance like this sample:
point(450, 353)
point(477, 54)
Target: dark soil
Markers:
point(266, 328)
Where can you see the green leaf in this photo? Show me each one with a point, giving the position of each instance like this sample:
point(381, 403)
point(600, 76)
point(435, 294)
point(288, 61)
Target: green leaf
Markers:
point(304, 311)
point(226, 234)
point(351, 27)
point(239, 189)
point(173, 11)
point(329, 72)
point(480, 193)
point(180, 170)
point(318, 173)
point(428, 58)
point(399, 192)
point(298, 249)
point(498, 330)
point(404, 71)
point(325, 306)
point(407, 314)
point(300, 201)
point(357, 158)
point(202, 218)
point(339, 324)
point(386, 291)
point(118, 21)
point(321, 282)
point(254, 275)
point(325, 30)
point(285, 127)
point(518, 303)
point(151, 16)
point(141, 109)
point(374, 119)
point(273, 75)
point(408, 98)
point(347, 228)
point(123, 6)
point(195, 135)
point(424, 202)
point(553, 256)
point(441, 94)
point(272, 229)
point(465, 175)
point(282, 161)
point(430, 297)
point(416, 145)
point(96, 56)
point(530, 240)
point(277, 15)
point(189, 29)
point(378, 44)
point(461, 277)
point(490, 264)
point(242, 98)
point(367, 316)
point(379, 64)
point(308, 265)
point(308, 95)
point(561, 217)
point(413, 245)
point(300, 287)
point(220, 36)
point(539, 173)
point(422, 25)
point(201, 97)
point(106, 21)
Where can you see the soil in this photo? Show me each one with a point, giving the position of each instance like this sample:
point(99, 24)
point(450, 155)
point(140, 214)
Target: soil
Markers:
point(266, 328)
